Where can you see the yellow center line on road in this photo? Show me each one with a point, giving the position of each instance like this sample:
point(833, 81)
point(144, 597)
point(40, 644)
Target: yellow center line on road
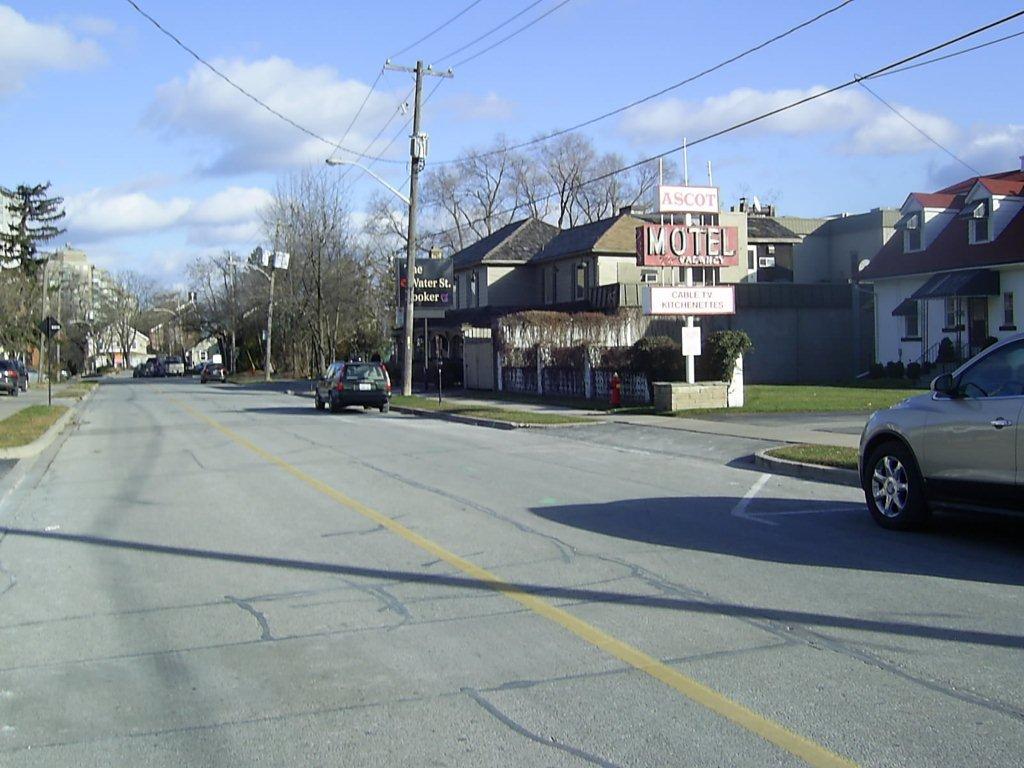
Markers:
point(810, 752)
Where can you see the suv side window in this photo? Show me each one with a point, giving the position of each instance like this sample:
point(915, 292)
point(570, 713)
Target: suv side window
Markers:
point(1000, 374)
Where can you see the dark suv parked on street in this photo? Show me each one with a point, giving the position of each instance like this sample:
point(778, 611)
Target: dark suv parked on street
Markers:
point(9, 377)
point(354, 383)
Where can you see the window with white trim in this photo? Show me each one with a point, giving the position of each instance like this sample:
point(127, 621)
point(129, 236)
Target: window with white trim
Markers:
point(912, 232)
point(912, 327)
point(952, 312)
point(1008, 309)
point(582, 280)
point(980, 223)
point(474, 290)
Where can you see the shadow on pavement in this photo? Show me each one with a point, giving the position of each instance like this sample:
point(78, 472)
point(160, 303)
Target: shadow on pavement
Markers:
point(309, 410)
point(817, 533)
point(808, 618)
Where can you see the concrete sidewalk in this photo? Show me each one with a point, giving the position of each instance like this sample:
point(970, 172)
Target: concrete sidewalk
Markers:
point(841, 429)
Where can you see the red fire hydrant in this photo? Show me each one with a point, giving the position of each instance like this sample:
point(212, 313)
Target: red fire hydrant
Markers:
point(615, 391)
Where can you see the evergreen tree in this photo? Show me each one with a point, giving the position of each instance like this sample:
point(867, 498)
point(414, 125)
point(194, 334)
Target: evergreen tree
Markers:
point(33, 218)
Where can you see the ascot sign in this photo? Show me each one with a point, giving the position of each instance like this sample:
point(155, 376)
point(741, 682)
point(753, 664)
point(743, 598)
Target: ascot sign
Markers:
point(687, 199)
point(678, 245)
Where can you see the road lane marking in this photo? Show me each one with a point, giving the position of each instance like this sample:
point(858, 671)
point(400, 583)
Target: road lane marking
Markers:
point(740, 510)
point(809, 751)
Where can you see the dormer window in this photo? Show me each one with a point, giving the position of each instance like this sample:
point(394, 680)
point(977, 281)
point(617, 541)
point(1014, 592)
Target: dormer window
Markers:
point(912, 225)
point(979, 222)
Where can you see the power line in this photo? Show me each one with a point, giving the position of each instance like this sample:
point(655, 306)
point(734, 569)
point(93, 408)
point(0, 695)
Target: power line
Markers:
point(954, 53)
point(359, 111)
point(663, 91)
point(771, 113)
point(523, 28)
point(920, 130)
point(489, 32)
point(434, 31)
point(243, 91)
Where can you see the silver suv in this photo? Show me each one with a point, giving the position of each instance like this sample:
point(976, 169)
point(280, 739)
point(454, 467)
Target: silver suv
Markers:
point(959, 446)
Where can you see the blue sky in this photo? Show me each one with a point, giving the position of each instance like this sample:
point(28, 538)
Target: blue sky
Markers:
point(160, 162)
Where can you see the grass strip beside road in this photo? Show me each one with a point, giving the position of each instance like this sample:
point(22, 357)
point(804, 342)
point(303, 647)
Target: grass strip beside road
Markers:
point(822, 455)
point(78, 390)
point(486, 411)
point(28, 424)
point(799, 398)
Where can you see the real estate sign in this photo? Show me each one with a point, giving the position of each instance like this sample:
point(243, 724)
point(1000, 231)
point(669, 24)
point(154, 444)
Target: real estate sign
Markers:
point(687, 199)
point(433, 285)
point(679, 245)
point(697, 300)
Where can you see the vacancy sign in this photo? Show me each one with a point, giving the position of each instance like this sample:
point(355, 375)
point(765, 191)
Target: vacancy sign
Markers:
point(697, 300)
point(687, 199)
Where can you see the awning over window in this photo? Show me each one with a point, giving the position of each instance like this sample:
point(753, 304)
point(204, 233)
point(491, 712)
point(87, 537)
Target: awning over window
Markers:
point(967, 282)
point(907, 307)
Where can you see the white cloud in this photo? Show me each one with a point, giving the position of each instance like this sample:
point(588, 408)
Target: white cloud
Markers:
point(870, 127)
point(674, 118)
point(26, 47)
point(227, 217)
point(889, 134)
point(231, 206)
point(94, 25)
point(248, 137)
point(97, 213)
point(489, 107)
point(990, 150)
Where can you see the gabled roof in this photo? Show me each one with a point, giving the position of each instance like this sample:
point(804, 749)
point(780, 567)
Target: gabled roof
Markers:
point(615, 235)
point(768, 229)
point(515, 243)
point(951, 248)
point(1003, 186)
point(933, 199)
point(966, 184)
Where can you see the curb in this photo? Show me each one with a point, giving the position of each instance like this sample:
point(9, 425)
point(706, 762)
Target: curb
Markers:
point(44, 441)
point(815, 472)
point(480, 422)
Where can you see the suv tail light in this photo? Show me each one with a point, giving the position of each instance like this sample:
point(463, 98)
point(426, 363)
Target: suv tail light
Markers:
point(340, 386)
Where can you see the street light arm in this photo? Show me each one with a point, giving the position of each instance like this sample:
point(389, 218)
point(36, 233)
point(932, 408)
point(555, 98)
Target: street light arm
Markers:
point(369, 172)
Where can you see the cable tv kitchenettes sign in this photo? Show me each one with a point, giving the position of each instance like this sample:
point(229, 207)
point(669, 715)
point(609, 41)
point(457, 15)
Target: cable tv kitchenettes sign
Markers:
point(697, 300)
point(679, 245)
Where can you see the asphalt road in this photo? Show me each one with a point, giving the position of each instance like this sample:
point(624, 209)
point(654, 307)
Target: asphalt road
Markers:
point(216, 576)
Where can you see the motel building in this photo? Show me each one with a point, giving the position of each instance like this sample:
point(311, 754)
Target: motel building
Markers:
point(954, 269)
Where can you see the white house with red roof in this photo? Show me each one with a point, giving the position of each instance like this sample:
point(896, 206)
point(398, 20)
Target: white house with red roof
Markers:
point(955, 269)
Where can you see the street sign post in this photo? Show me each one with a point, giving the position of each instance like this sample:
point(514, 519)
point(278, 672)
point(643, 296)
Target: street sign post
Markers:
point(50, 328)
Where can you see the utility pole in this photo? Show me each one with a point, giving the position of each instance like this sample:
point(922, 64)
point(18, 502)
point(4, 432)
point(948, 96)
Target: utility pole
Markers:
point(418, 156)
point(270, 307)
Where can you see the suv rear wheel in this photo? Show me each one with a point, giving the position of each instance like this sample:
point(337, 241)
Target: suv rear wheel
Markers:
point(893, 487)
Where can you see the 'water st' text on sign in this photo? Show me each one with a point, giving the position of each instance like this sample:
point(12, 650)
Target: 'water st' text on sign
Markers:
point(682, 300)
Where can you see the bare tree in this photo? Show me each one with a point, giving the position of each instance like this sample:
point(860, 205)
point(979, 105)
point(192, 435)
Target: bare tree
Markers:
point(126, 305)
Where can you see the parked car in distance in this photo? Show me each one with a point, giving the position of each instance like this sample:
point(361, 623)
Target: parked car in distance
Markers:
point(213, 372)
point(9, 378)
point(960, 446)
point(174, 366)
point(22, 375)
point(353, 383)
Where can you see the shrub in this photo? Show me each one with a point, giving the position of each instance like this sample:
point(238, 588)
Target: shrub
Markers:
point(616, 358)
point(723, 349)
point(894, 370)
point(926, 368)
point(660, 357)
point(946, 353)
point(913, 371)
point(876, 371)
point(989, 342)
